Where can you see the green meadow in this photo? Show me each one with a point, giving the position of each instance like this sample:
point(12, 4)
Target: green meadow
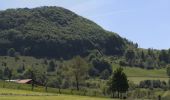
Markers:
point(11, 94)
point(137, 74)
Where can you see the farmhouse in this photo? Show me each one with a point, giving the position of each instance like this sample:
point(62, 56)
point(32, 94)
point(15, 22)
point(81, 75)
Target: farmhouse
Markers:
point(21, 81)
point(24, 81)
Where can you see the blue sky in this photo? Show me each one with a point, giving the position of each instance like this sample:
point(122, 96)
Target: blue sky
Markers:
point(146, 22)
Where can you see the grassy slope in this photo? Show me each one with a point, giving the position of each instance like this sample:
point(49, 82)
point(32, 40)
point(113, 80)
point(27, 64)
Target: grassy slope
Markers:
point(137, 74)
point(130, 71)
point(43, 96)
point(134, 74)
point(166, 95)
point(27, 61)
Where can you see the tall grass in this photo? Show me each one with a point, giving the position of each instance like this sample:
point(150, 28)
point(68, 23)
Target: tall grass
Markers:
point(83, 92)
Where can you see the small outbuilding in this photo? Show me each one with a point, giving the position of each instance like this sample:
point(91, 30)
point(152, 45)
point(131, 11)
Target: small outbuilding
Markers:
point(21, 81)
point(24, 81)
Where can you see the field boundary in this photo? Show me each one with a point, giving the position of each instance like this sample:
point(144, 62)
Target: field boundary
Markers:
point(12, 94)
point(151, 76)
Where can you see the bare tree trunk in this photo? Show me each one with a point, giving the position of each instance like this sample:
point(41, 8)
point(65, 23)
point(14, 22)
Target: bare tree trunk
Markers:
point(77, 83)
point(121, 95)
point(3, 84)
point(32, 84)
point(118, 94)
point(59, 90)
point(113, 95)
point(46, 87)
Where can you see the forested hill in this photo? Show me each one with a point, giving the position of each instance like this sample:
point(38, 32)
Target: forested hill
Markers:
point(54, 32)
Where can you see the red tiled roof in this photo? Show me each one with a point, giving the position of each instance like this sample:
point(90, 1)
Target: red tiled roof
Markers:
point(24, 81)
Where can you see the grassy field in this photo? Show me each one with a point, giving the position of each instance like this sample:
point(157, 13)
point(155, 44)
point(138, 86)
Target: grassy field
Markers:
point(137, 74)
point(27, 87)
point(61, 97)
point(137, 80)
point(10, 94)
point(166, 95)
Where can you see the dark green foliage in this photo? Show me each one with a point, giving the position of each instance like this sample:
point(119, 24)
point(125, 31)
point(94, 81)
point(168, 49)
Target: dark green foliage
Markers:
point(143, 57)
point(168, 71)
point(169, 83)
point(17, 56)
point(51, 66)
point(4, 64)
point(10, 74)
point(148, 59)
point(43, 79)
point(93, 72)
point(11, 52)
point(21, 69)
point(152, 84)
point(164, 56)
point(100, 65)
point(118, 82)
point(45, 61)
point(59, 33)
point(130, 56)
point(7, 73)
point(1, 74)
point(57, 83)
point(105, 74)
point(78, 70)
point(150, 63)
point(31, 74)
point(54, 32)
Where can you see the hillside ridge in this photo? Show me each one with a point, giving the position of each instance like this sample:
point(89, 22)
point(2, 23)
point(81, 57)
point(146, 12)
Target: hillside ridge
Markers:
point(54, 32)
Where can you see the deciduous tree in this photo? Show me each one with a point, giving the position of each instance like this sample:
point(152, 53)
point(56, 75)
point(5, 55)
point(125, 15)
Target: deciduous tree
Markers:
point(79, 68)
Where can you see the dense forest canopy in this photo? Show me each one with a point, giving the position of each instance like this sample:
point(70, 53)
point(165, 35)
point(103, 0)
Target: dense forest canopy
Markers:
point(54, 32)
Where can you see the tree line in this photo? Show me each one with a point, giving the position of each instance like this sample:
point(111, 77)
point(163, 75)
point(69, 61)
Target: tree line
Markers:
point(147, 59)
point(69, 74)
